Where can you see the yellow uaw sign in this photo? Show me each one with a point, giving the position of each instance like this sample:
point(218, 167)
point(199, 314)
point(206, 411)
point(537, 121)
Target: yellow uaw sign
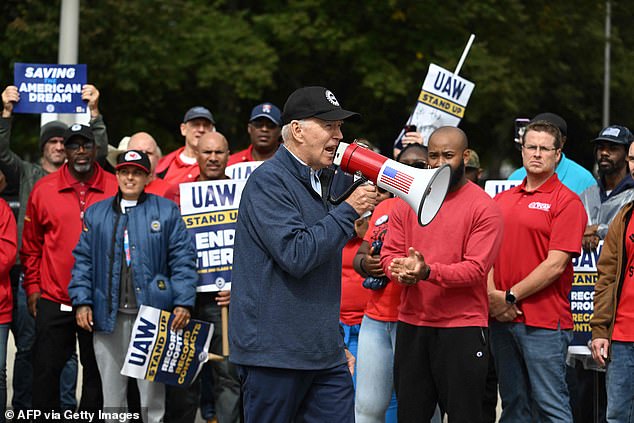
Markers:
point(441, 104)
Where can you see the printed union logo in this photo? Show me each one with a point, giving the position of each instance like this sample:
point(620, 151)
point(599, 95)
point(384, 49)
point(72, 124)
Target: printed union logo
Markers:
point(331, 98)
point(50, 108)
point(203, 356)
point(539, 206)
point(611, 132)
point(155, 226)
point(75, 127)
point(220, 282)
point(132, 155)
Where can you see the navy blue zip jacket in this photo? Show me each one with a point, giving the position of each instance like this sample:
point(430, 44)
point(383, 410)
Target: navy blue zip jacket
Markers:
point(286, 280)
point(159, 245)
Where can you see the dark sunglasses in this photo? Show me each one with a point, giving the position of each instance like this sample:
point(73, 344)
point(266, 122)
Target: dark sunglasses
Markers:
point(74, 145)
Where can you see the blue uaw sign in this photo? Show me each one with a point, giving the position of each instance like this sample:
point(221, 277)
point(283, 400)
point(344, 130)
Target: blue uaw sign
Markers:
point(210, 211)
point(49, 88)
point(159, 354)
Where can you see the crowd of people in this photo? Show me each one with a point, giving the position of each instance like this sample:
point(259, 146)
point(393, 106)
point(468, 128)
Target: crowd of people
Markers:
point(338, 312)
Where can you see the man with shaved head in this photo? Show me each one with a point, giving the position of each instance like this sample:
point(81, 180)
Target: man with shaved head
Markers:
point(442, 334)
point(529, 286)
point(212, 156)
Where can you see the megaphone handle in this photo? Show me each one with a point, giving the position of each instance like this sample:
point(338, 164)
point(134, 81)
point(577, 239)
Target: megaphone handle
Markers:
point(336, 201)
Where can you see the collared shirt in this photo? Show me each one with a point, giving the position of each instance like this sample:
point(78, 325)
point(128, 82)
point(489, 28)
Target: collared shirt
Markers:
point(314, 174)
point(535, 222)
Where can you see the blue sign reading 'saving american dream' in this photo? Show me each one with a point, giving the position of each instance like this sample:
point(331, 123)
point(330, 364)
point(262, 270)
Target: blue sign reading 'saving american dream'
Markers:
point(49, 88)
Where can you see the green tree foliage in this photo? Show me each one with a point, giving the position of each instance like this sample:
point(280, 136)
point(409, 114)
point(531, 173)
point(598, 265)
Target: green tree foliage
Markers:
point(153, 59)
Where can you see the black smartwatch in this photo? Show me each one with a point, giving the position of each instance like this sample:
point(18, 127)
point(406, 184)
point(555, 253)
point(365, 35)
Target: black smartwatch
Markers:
point(510, 297)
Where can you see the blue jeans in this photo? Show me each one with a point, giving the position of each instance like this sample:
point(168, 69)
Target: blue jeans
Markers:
point(4, 334)
point(375, 374)
point(531, 368)
point(23, 328)
point(620, 383)
point(351, 339)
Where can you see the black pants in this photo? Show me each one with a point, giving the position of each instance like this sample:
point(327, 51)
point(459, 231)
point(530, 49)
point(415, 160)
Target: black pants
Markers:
point(444, 366)
point(55, 336)
point(182, 403)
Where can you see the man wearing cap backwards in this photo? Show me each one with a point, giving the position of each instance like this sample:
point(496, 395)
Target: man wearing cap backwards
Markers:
point(52, 225)
point(22, 175)
point(574, 176)
point(130, 243)
point(284, 317)
point(530, 283)
point(180, 165)
point(264, 128)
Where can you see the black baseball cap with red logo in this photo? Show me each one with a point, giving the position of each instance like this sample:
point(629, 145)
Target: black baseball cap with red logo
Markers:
point(134, 158)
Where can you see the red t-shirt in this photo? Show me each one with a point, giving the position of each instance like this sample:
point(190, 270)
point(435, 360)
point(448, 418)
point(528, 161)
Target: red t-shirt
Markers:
point(158, 187)
point(550, 218)
point(353, 295)
point(624, 322)
point(460, 245)
point(383, 303)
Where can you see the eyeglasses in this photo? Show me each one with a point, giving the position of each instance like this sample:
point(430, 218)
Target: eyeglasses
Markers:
point(74, 145)
point(259, 124)
point(535, 148)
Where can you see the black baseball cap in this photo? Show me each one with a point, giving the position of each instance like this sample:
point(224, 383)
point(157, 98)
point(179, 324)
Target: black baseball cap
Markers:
point(134, 158)
point(198, 112)
point(318, 102)
point(556, 120)
point(616, 134)
point(78, 130)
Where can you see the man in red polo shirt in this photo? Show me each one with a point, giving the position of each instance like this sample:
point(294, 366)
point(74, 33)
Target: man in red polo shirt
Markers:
point(531, 325)
point(52, 226)
point(265, 126)
point(180, 165)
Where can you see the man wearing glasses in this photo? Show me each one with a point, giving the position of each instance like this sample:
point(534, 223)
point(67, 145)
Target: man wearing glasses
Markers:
point(531, 325)
point(265, 126)
point(52, 226)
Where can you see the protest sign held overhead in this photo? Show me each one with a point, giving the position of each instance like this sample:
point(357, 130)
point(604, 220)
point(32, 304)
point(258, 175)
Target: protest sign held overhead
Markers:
point(442, 100)
point(49, 88)
point(158, 354)
point(210, 211)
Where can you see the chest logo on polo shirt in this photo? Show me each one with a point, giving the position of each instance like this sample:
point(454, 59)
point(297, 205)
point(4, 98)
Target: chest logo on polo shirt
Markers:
point(539, 206)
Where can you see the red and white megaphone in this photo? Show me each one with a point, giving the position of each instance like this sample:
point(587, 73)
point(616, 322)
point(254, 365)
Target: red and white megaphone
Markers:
point(423, 189)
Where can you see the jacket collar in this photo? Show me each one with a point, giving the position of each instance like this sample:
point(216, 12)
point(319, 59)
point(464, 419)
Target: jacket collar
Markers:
point(116, 201)
point(625, 184)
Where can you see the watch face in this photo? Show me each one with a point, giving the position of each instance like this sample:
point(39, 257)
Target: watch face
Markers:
point(510, 297)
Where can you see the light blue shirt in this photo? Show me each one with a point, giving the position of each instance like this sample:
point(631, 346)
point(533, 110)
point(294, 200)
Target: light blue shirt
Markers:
point(574, 176)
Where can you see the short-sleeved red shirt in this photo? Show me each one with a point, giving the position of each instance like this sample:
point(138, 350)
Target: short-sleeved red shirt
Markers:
point(383, 303)
point(550, 218)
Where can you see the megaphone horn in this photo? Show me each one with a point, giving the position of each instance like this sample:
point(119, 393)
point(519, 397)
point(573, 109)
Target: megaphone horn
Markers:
point(423, 189)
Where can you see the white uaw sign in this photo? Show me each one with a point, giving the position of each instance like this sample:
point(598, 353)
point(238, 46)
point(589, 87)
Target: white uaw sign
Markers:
point(441, 102)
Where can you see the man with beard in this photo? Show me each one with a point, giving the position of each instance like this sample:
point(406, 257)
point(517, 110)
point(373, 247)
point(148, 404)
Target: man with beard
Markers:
point(615, 184)
point(530, 283)
point(21, 176)
point(265, 125)
point(442, 336)
point(52, 225)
